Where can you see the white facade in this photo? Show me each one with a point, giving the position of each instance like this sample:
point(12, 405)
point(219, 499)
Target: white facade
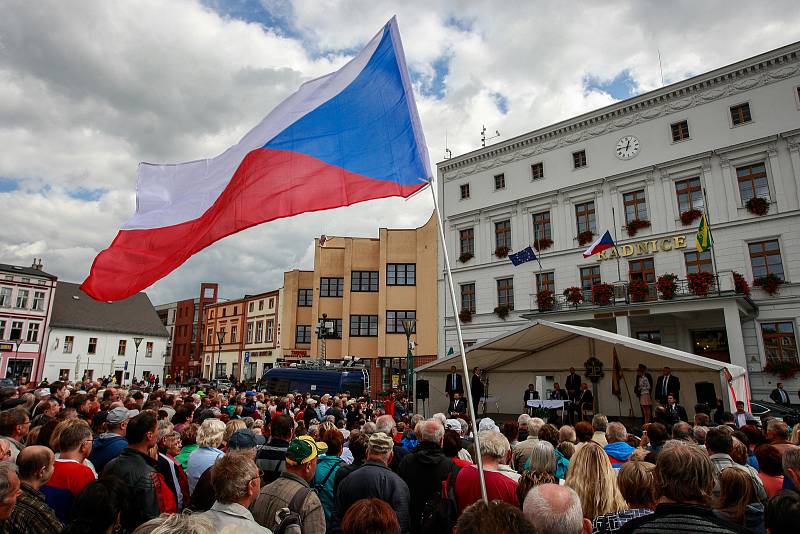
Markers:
point(79, 353)
point(714, 155)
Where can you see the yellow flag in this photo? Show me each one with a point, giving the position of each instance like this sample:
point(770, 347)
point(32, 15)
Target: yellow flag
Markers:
point(704, 239)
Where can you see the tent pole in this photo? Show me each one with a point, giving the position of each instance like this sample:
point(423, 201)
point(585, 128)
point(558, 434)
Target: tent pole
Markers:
point(467, 388)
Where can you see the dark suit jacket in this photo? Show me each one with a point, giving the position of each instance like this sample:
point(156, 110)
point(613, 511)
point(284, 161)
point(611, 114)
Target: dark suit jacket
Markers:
point(530, 395)
point(573, 382)
point(673, 386)
point(448, 385)
point(678, 413)
point(584, 397)
point(561, 394)
point(477, 388)
point(457, 406)
point(776, 397)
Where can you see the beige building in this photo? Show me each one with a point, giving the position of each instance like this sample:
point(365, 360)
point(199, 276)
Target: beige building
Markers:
point(222, 360)
point(366, 287)
point(261, 343)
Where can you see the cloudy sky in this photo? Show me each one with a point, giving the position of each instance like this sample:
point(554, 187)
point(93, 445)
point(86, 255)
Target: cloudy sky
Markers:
point(90, 88)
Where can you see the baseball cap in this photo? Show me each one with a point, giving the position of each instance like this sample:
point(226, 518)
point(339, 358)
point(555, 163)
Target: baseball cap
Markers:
point(250, 394)
point(244, 438)
point(380, 443)
point(42, 392)
point(452, 424)
point(120, 414)
point(488, 424)
point(302, 450)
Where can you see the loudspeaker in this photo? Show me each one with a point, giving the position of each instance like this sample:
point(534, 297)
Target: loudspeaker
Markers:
point(422, 389)
point(706, 393)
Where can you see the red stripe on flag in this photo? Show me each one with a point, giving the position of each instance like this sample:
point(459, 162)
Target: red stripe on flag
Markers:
point(269, 184)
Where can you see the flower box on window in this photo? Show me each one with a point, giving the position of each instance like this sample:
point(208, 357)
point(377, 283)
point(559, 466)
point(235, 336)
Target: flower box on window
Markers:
point(757, 206)
point(785, 370)
point(574, 295)
point(502, 311)
point(638, 290)
point(740, 285)
point(768, 283)
point(602, 294)
point(465, 257)
point(545, 300)
point(700, 283)
point(666, 285)
point(501, 252)
point(584, 238)
point(542, 244)
point(690, 216)
point(465, 316)
point(635, 225)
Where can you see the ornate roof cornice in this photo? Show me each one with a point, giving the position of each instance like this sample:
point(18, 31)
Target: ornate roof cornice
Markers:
point(745, 75)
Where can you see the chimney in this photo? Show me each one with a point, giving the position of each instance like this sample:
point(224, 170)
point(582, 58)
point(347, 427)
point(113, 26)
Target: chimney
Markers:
point(37, 266)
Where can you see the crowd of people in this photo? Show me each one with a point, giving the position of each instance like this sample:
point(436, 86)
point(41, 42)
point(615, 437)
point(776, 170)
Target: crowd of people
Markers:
point(94, 458)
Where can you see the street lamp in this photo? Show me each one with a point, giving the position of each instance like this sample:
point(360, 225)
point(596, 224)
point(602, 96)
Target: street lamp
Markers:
point(220, 339)
point(408, 328)
point(136, 341)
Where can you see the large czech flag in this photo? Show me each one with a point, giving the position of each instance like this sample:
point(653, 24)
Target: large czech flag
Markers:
point(347, 137)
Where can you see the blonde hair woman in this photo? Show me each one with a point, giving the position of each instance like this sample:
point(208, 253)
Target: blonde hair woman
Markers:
point(231, 427)
point(591, 476)
point(209, 438)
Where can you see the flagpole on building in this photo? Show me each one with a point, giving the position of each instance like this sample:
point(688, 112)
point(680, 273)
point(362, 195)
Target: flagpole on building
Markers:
point(710, 237)
point(614, 218)
point(467, 388)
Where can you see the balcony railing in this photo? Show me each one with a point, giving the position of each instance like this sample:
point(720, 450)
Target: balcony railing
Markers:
point(622, 296)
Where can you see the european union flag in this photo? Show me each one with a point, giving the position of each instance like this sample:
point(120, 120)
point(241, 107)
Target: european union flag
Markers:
point(522, 256)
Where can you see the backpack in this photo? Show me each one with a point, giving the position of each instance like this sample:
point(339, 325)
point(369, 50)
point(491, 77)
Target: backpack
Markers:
point(441, 511)
point(288, 519)
point(321, 486)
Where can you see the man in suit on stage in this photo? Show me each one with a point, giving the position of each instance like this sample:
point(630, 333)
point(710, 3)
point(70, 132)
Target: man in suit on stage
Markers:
point(457, 407)
point(675, 410)
point(573, 386)
point(454, 383)
point(476, 388)
point(558, 393)
point(530, 394)
point(666, 384)
point(779, 395)
point(585, 399)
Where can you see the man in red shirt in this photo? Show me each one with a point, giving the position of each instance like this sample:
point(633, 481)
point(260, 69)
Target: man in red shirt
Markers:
point(494, 448)
point(71, 474)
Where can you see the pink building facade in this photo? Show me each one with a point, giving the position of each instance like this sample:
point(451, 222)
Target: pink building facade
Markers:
point(26, 303)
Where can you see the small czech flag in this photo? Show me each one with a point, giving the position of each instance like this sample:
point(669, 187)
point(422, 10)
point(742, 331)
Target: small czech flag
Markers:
point(602, 243)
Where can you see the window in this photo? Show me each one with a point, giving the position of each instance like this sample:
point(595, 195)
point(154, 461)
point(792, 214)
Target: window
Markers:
point(401, 274)
point(690, 195)
point(780, 344)
point(590, 276)
point(579, 159)
point(236, 310)
point(259, 331)
point(635, 206)
point(464, 191)
point(468, 297)
point(499, 181)
point(92, 348)
point(752, 182)
point(697, 262)
point(38, 301)
point(680, 131)
point(466, 238)
point(394, 321)
point(22, 298)
point(271, 328)
point(537, 171)
point(33, 332)
point(249, 333)
point(16, 331)
point(505, 293)
point(585, 217)
point(68, 342)
point(148, 349)
point(221, 332)
point(302, 333)
point(363, 281)
point(234, 331)
point(2, 329)
point(363, 325)
point(251, 307)
point(541, 227)
point(260, 305)
point(651, 337)
point(224, 312)
point(26, 280)
point(740, 114)
point(9, 277)
point(336, 332)
point(271, 303)
point(502, 234)
point(305, 297)
point(210, 337)
point(5, 297)
point(331, 287)
point(643, 269)
point(545, 282)
point(220, 370)
point(122, 346)
point(765, 258)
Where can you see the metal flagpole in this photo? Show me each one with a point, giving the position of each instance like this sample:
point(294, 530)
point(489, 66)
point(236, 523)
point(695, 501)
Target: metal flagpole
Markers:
point(467, 388)
point(614, 217)
point(710, 237)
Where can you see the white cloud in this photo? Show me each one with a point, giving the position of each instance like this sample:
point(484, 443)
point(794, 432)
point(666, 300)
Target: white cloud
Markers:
point(88, 89)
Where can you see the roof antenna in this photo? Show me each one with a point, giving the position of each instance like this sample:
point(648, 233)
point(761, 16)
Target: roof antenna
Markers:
point(660, 68)
point(484, 138)
point(447, 152)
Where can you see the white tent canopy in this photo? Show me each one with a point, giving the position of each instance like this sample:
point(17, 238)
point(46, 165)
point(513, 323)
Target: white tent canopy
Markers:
point(544, 348)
